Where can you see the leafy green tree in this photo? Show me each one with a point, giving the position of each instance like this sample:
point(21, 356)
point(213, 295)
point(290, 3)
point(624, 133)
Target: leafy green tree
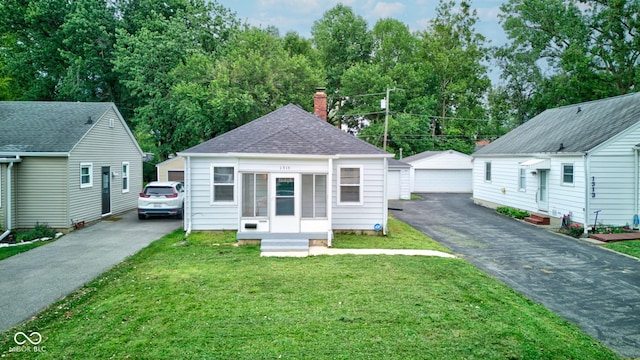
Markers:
point(342, 40)
point(88, 40)
point(586, 50)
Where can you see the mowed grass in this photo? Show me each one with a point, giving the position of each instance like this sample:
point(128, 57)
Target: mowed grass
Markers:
point(626, 247)
point(203, 298)
point(9, 251)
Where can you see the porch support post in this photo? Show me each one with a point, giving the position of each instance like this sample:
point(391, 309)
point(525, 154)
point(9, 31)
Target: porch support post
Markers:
point(330, 203)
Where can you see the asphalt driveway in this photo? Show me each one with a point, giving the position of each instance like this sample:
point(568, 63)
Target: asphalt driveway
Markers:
point(32, 280)
point(595, 288)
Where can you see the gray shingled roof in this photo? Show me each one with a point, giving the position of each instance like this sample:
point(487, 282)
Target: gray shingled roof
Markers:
point(422, 155)
point(569, 129)
point(46, 126)
point(288, 130)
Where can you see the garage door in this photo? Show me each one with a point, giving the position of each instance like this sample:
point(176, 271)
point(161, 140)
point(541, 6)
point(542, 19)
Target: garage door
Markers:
point(393, 185)
point(442, 181)
point(175, 175)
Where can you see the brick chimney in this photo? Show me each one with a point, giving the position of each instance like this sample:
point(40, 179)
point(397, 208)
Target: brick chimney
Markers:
point(320, 103)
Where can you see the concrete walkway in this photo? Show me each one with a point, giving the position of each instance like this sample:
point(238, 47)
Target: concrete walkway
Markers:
point(32, 280)
point(597, 289)
point(323, 250)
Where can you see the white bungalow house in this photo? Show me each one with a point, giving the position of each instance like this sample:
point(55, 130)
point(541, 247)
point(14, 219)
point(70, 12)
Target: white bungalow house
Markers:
point(440, 171)
point(288, 177)
point(576, 160)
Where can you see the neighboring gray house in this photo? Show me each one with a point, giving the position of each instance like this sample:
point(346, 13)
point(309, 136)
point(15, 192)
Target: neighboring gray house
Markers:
point(286, 175)
point(575, 159)
point(65, 162)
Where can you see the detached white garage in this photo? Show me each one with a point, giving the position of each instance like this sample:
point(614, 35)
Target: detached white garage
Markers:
point(441, 171)
point(398, 180)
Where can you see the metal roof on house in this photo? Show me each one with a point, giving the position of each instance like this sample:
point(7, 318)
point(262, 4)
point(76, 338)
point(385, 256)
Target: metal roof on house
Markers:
point(287, 130)
point(42, 127)
point(569, 129)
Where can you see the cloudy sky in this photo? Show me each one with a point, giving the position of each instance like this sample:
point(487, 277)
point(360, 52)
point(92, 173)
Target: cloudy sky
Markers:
point(299, 15)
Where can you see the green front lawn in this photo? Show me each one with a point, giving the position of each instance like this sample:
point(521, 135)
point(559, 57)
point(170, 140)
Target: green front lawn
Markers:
point(626, 247)
point(9, 251)
point(203, 298)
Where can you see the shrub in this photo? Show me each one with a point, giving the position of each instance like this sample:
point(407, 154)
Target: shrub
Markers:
point(514, 213)
point(39, 231)
point(575, 230)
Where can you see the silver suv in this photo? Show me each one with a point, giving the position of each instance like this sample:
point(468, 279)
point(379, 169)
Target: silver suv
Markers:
point(161, 198)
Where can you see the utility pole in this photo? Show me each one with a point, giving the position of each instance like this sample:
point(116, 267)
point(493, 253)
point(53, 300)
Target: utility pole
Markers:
point(386, 118)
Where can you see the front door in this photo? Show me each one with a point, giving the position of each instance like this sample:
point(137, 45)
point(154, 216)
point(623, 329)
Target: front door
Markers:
point(106, 190)
point(285, 208)
point(543, 190)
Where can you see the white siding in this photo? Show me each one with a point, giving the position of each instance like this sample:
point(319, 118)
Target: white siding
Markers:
point(206, 215)
point(365, 216)
point(504, 189)
point(104, 145)
point(162, 169)
point(393, 185)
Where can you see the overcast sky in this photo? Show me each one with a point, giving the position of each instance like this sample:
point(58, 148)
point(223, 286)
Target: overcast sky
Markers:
point(299, 15)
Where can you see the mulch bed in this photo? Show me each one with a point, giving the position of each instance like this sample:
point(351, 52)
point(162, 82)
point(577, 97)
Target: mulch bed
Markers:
point(616, 237)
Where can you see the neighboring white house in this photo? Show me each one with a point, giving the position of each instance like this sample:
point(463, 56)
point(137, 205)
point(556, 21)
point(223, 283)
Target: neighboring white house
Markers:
point(575, 159)
point(440, 171)
point(286, 175)
point(65, 162)
point(398, 180)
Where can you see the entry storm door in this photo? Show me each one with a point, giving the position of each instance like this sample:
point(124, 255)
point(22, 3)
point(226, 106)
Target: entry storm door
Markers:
point(285, 208)
point(106, 190)
point(543, 190)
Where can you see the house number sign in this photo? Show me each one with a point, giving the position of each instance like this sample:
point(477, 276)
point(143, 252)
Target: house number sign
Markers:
point(285, 167)
point(593, 186)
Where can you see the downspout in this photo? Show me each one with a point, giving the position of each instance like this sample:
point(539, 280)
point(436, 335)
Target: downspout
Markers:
point(587, 195)
point(385, 205)
point(188, 197)
point(636, 181)
point(330, 203)
point(9, 219)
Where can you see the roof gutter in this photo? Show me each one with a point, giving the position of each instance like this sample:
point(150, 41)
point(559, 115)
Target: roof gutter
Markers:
point(10, 161)
point(36, 154)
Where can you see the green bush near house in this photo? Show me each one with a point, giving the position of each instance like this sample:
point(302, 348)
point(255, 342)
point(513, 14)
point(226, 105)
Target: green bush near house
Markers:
point(38, 232)
point(514, 213)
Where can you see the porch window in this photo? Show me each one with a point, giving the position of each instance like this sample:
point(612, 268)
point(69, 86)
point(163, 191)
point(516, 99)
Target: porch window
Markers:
point(487, 171)
point(567, 174)
point(522, 179)
point(350, 185)
point(125, 177)
point(314, 196)
point(222, 184)
point(86, 175)
point(254, 195)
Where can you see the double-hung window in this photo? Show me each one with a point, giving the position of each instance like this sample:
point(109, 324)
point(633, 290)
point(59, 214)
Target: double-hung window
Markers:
point(86, 175)
point(350, 185)
point(522, 179)
point(314, 196)
point(255, 195)
point(222, 184)
point(567, 174)
point(125, 177)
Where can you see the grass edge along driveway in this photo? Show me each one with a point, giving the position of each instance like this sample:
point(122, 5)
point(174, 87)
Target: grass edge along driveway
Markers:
point(202, 297)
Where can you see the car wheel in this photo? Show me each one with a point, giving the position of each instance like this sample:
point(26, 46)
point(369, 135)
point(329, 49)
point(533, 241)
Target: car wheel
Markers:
point(180, 215)
point(142, 217)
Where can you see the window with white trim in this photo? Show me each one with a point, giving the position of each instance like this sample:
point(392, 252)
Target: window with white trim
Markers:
point(522, 179)
point(222, 184)
point(86, 175)
point(567, 174)
point(125, 176)
point(255, 195)
point(314, 196)
point(350, 185)
point(487, 171)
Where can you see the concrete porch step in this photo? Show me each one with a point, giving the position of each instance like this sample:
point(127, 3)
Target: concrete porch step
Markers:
point(538, 219)
point(289, 247)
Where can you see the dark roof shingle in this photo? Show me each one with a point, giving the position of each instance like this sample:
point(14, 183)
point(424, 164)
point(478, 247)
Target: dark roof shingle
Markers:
point(287, 130)
point(33, 126)
point(569, 129)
